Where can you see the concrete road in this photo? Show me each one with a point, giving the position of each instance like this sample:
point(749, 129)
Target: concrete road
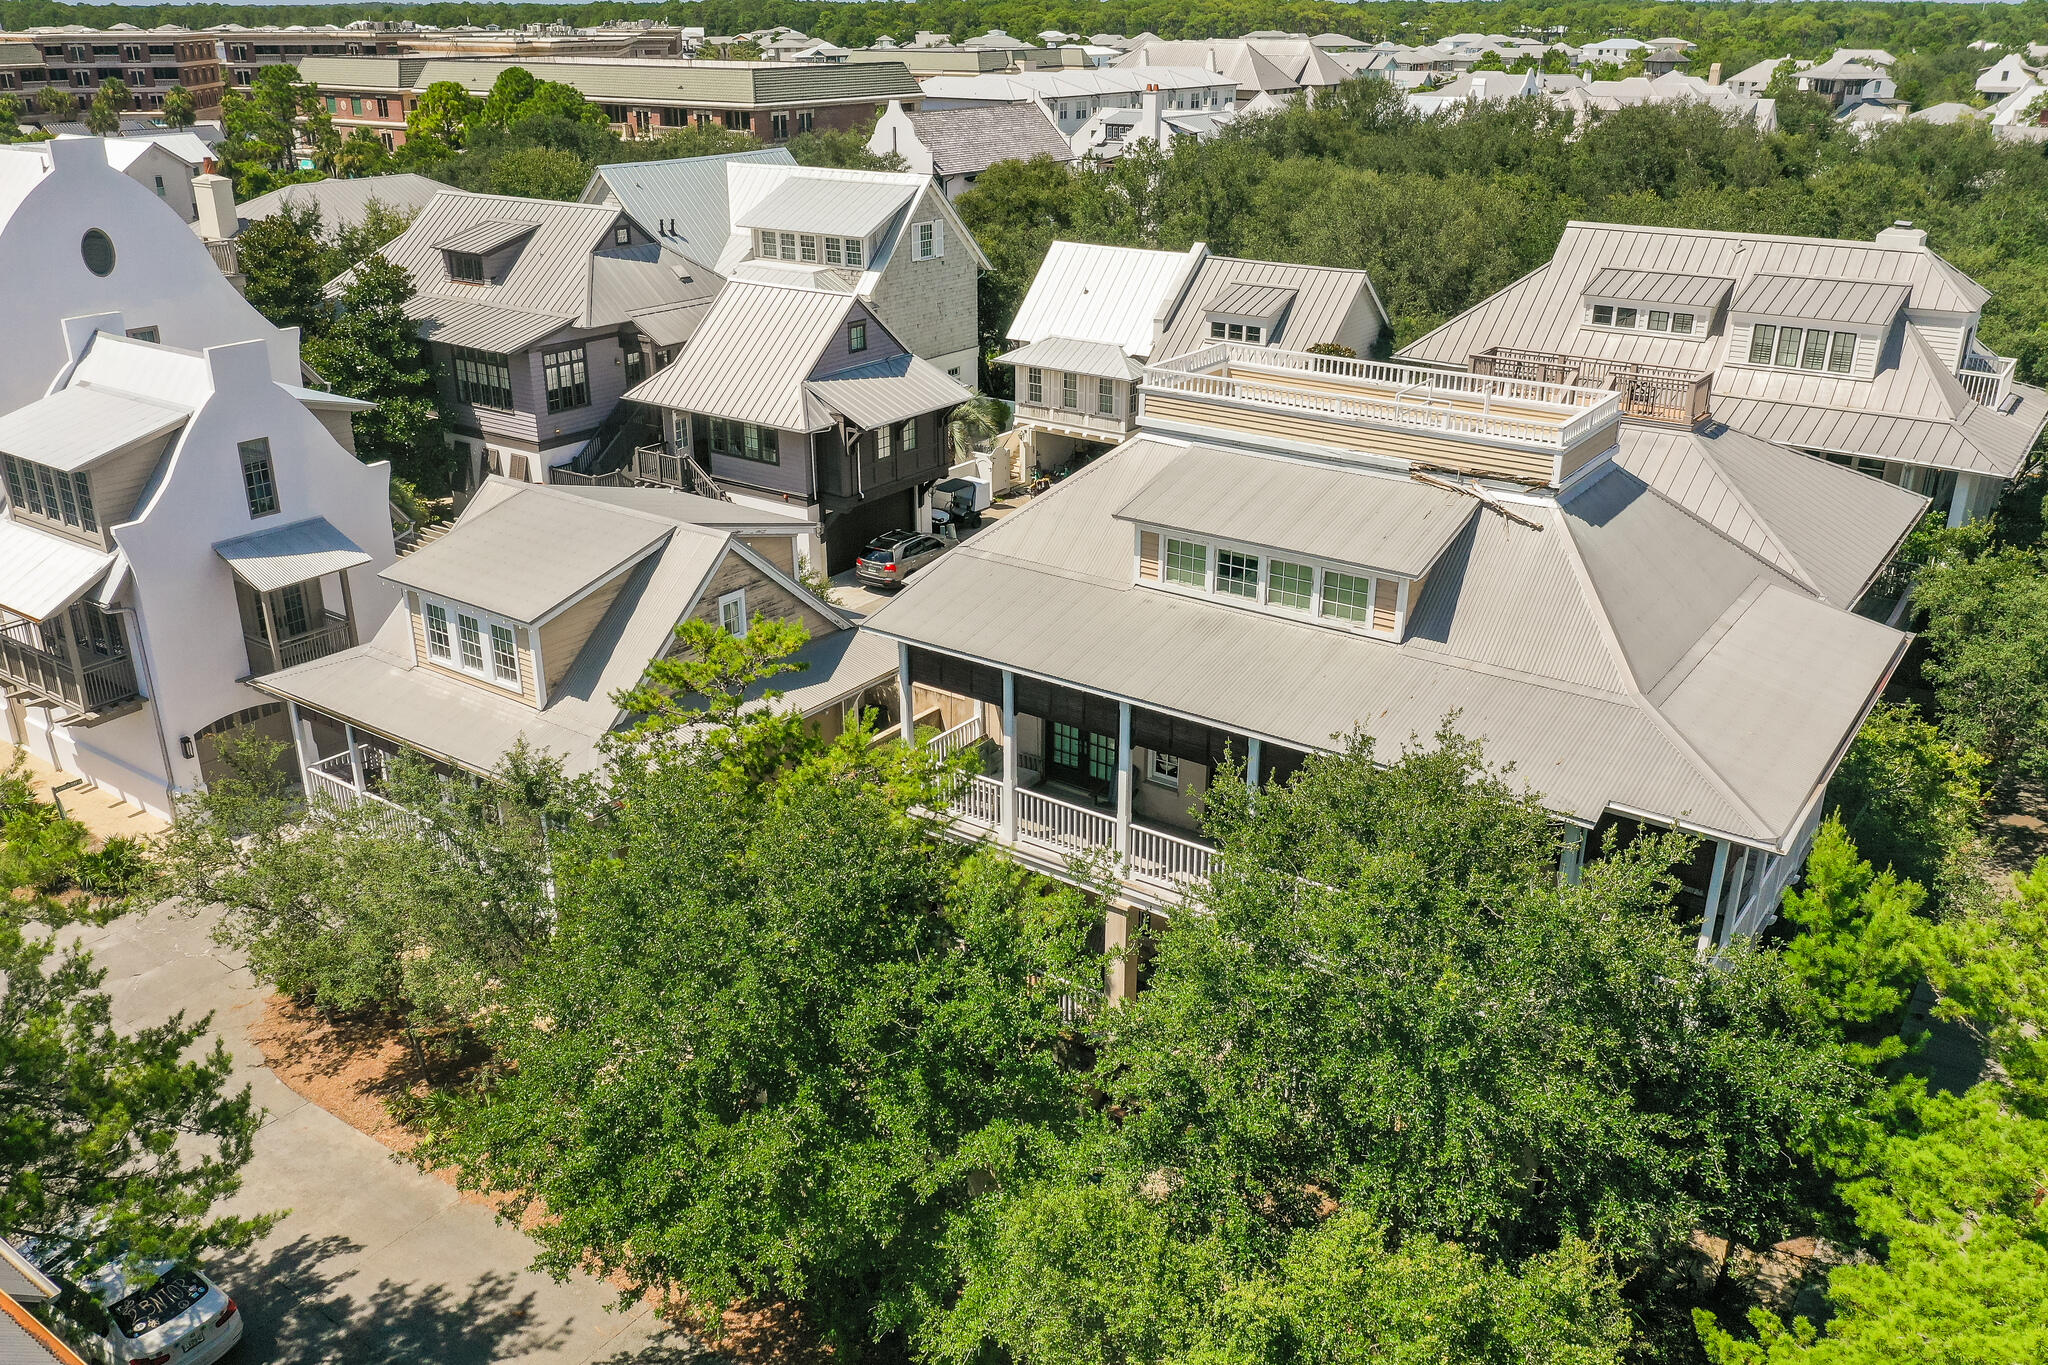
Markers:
point(377, 1262)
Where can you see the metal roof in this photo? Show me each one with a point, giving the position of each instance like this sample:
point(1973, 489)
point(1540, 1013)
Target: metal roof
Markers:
point(479, 325)
point(1372, 520)
point(1117, 294)
point(677, 505)
point(829, 205)
point(344, 203)
point(523, 557)
point(672, 326)
point(750, 357)
point(41, 574)
point(269, 560)
point(1330, 305)
point(627, 281)
point(1097, 358)
point(486, 237)
point(1246, 300)
point(1658, 286)
point(20, 1279)
point(683, 203)
point(72, 427)
point(886, 391)
point(1862, 302)
point(714, 83)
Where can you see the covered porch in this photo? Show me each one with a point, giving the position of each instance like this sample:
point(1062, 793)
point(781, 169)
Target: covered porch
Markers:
point(289, 580)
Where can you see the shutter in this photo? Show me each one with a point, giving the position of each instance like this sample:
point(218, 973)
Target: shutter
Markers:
point(938, 237)
point(1148, 556)
point(519, 470)
point(1386, 596)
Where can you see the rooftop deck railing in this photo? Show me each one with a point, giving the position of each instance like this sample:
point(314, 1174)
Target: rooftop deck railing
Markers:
point(1987, 378)
point(1551, 416)
point(1658, 393)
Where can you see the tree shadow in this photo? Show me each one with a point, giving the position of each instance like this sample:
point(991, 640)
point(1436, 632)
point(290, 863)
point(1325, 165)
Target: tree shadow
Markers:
point(299, 1310)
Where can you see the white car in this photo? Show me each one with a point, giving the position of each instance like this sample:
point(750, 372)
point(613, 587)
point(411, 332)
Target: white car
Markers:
point(158, 1314)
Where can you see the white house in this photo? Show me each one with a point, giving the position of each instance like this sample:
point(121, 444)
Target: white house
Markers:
point(156, 168)
point(179, 515)
point(2007, 74)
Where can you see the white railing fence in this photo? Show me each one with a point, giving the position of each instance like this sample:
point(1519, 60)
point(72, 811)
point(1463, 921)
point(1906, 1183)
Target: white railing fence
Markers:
point(1063, 824)
point(980, 799)
point(1987, 378)
point(967, 732)
point(331, 782)
point(1163, 857)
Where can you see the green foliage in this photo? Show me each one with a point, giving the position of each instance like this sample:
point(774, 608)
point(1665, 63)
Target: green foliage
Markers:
point(114, 1141)
point(58, 103)
point(1861, 941)
point(1986, 631)
point(442, 115)
point(846, 147)
point(539, 173)
point(975, 420)
point(353, 243)
point(1911, 801)
point(179, 109)
point(265, 125)
point(698, 139)
point(713, 677)
point(109, 102)
point(372, 350)
point(1992, 970)
point(282, 262)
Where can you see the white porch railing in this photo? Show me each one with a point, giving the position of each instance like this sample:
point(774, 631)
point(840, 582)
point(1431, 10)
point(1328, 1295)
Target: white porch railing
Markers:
point(331, 781)
point(980, 798)
point(1063, 824)
point(1164, 857)
point(967, 732)
point(1987, 378)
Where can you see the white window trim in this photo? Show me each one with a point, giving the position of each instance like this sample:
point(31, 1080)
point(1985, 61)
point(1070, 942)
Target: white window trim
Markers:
point(1152, 774)
point(1229, 320)
point(1209, 592)
point(937, 245)
point(485, 622)
point(737, 599)
point(1700, 319)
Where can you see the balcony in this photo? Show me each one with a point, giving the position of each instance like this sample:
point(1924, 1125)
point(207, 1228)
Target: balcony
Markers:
point(1656, 393)
point(664, 468)
point(45, 661)
point(1531, 431)
point(1987, 378)
point(330, 636)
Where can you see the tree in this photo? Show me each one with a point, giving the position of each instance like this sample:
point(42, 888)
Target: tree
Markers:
point(1388, 1002)
point(372, 349)
point(441, 116)
point(554, 100)
point(843, 147)
point(179, 110)
point(779, 1033)
point(513, 88)
point(281, 260)
point(114, 1142)
point(267, 125)
point(58, 103)
point(1991, 968)
point(350, 244)
point(10, 116)
point(360, 154)
point(109, 102)
point(698, 139)
point(1861, 943)
point(1911, 801)
point(1987, 655)
point(539, 173)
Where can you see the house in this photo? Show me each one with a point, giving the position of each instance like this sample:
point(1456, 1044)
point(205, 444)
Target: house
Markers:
point(1071, 98)
point(1850, 77)
point(954, 146)
point(802, 400)
point(176, 524)
point(528, 617)
point(1112, 132)
point(2007, 74)
point(538, 315)
point(1094, 316)
point(1649, 619)
point(156, 169)
point(890, 239)
point(1255, 65)
point(341, 204)
point(23, 1337)
point(1862, 353)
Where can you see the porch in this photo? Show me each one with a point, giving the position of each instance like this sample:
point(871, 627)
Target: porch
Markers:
point(1656, 393)
point(343, 769)
point(285, 579)
point(76, 660)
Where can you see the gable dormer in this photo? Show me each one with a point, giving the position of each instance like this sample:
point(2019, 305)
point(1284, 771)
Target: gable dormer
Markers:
point(1248, 313)
point(1655, 302)
point(483, 253)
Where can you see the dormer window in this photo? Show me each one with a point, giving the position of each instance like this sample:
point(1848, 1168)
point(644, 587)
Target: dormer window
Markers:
point(1802, 348)
point(1344, 597)
point(1250, 333)
point(465, 267)
point(1629, 318)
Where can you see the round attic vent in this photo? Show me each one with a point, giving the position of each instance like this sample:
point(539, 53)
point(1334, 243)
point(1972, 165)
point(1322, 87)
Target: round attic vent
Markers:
point(98, 250)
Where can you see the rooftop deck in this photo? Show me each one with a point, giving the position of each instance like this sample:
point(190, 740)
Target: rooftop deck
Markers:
point(1503, 426)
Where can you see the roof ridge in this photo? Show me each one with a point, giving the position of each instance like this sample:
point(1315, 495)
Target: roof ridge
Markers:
point(1763, 522)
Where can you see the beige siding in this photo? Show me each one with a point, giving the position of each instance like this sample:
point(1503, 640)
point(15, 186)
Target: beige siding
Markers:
point(764, 597)
point(777, 550)
point(1386, 598)
point(1148, 556)
point(562, 639)
point(1585, 452)
point(528, 691)
point(1526, 465)
point(118, 481)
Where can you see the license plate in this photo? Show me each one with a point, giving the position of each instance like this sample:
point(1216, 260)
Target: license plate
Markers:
point(193, 1342)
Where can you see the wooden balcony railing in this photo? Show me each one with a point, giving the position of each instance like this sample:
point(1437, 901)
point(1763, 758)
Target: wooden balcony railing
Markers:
point(675, 469)
point(39, 660)
point(1658, 393)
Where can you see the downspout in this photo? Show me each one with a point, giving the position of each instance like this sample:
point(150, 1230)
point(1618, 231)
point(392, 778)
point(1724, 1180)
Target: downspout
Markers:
point(156, 709)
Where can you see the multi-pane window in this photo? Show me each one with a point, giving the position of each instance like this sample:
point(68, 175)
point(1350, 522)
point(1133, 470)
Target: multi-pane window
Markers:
point(1348, 596)
point(259, 480)
point(786, 245)
point(856, 336)
point(807, 247)
point(1237, 331)
point(466, 267)
point(1237, 574)
point(834, 253)
point(1646, 319)
point(1187, 562)
point(1842, 356)
point(929, 242)
point(568, 379)
point(469, 634)
point(1813, 348)
point(471, 642)
point(906, 436)
point(1070, 390)
point(1066, 746)
point(438, 644)
point(742, 440)
point(778, 126)
point(482, 378)
point(732, 613)
point(504, 655)
point(1105, 397)
point(1034, 385)
point(53, 494)
point(1290, 585)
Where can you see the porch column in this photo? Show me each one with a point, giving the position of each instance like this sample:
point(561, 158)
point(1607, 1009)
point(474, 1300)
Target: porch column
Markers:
point(1116, 939)
point(906, 724)
point(355, 757)
point(1123, 779)
point(1571, 859)
point(1706, 944)
point(348, 609)
point(1008, 806)
point(270, 629)
point(1732, 919)
point(1251, 760)
point(298, 742)
point(1959, 502)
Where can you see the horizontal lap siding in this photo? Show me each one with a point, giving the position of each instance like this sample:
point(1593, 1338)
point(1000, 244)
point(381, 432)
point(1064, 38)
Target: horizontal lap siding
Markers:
point(563, 638)
point(764, 597)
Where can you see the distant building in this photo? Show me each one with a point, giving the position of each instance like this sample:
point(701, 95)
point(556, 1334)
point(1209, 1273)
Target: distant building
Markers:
point(954, 146)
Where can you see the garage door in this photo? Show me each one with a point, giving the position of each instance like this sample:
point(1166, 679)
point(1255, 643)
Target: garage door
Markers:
point(849, 531)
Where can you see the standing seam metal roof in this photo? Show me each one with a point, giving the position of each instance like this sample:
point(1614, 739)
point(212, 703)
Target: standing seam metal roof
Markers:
point(750, 357)
point(1856, 302)
point(72, 427)
point(1327, 301)
point(1247, 300)
point(1102, 293)
point(842, 208)
point(1658, 286)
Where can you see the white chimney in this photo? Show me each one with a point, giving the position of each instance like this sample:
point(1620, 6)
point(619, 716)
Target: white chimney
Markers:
point(1902, 233)
point(218, 220)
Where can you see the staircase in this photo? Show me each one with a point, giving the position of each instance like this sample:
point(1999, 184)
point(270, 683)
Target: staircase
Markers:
point(426, 535)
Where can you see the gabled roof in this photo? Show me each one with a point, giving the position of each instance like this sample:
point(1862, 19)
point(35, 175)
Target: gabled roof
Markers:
point(1328, 303)
point(1118, 294)
point(343, 203)
point(682, 202)
point(492, 234)
point(970, 139)
point(1102, 359)
point(1658, 286)
point(751, 355)
point(1616, 647)
point(833, 206)
point(74, 426)
point(894, 389)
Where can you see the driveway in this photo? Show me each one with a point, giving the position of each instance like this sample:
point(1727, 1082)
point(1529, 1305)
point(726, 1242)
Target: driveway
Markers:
point(377, 1262)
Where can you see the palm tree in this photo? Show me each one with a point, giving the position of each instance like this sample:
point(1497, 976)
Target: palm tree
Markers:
point(60, 104)
point(103, 115)
point(974, 419)
point(180, 109)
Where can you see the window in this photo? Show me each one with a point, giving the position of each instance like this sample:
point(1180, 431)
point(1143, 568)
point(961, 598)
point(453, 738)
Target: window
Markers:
point(853, 250)
point(1762, 338)
point(906, 436)
point(1681, 324)
point(833, 254)
point(1034, 385)
point(734, 118)
point(1187, 562)
point(1070, 390)
point(807, 247)
point(742, 440)
point(1660, 321)
point(1101, 757)
point(732, 613)
point(787, 245)
point(1066, 746)
point(856, 336)
point(1163, 769)
point(1105, 397)
point(53, 494)
point(928, 242)
point(98, 250)
point(145, 334)
point(1254, 335)
point(469, 634)
point(259, 481)
point(159, 187)
point(778, 126)
point(1216, 330)
point(1348, 596)
point(1842, 358)
point(882, 451)
point(1815, 356)
point(482, 378)
point(437, 632)
point(504, 655)
point(568, 382)
point(1788, 346)
point(622, 235)
point(1237, 574)
point(803, 121)
point(465, 267)
point(1290, 585)
point(1624, 317)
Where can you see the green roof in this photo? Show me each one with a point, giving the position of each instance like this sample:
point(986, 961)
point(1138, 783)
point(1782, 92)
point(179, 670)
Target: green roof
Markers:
point(736, 84)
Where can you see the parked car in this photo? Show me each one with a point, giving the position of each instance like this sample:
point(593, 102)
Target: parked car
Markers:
point(891, 558)
point(152, 1313)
